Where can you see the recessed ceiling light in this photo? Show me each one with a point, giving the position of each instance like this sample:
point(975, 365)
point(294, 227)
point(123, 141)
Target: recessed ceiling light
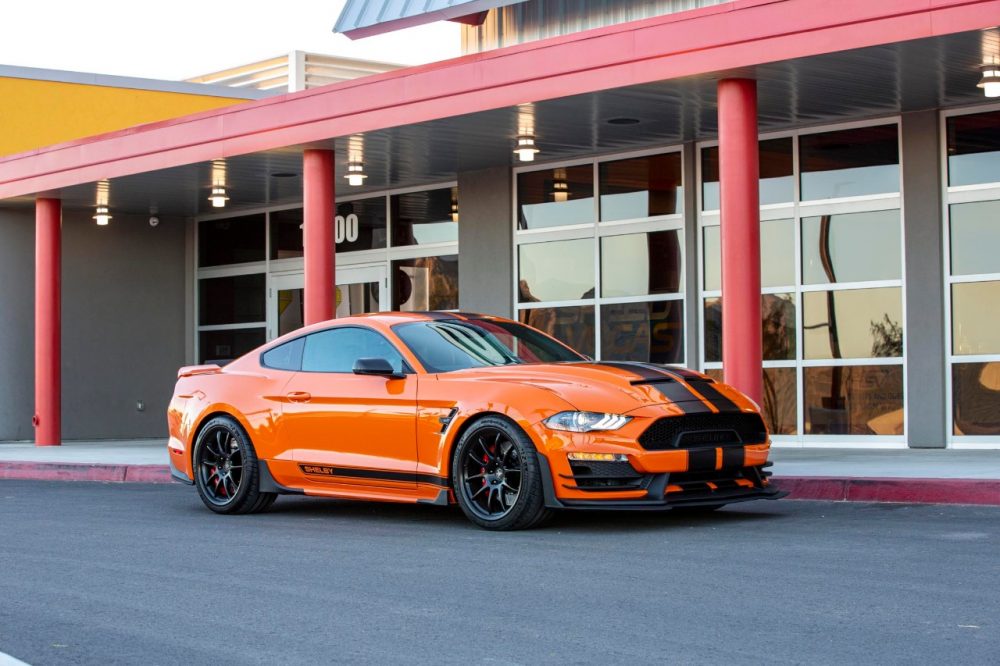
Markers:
point(623, 121)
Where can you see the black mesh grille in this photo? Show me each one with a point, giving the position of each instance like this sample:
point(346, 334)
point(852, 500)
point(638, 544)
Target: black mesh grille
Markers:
point(701, 430)
point(606, 475)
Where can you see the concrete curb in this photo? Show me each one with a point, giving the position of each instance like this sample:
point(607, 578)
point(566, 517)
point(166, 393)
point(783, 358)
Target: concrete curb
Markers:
point(831, 489)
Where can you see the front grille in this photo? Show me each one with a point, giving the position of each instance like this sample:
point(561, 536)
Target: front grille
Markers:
point(700, 430)
point(595, 475)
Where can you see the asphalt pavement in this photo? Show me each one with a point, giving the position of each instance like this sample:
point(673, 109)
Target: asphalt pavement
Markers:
point(130, 573)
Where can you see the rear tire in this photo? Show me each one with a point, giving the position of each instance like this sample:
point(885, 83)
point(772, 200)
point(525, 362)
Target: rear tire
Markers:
point(496, 476)
point(226, 469)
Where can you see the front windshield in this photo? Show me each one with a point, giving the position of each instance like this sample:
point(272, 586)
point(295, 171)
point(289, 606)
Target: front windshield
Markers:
point(455, 344)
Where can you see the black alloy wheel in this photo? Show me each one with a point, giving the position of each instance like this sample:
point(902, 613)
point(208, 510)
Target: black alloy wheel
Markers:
point(227, 473)
point(496, 475)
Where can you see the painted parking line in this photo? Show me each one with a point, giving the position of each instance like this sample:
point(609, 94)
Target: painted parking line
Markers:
point(7, 660)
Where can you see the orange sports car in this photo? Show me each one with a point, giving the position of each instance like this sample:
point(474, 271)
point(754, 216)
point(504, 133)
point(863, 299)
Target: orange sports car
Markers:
point(443, 408)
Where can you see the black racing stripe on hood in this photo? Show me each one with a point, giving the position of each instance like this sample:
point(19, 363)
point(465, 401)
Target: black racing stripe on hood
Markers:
point(714, 396)
point(673, 390)
point(643, 371)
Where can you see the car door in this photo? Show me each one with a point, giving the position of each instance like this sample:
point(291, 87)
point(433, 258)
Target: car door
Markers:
point(344, 428)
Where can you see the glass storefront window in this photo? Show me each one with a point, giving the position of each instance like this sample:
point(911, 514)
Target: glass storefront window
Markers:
point(231, 240)
point(286, 234)
point(556, 271)
point(778, 339)
point(239, 299)
point(849, 163)
point(975, 237)
point(641, 264)
point(777, 255)
point(975, 391)
point(975, 318)
point(853, 323)
point(555, 197)
point(853, 247)
point(853, 400)
point(651, 332)
point(422, 218)
point(974, 149)
point(780, 408)
point(224, 346)
point(425, 283)
point(777, 181)
point(572, 325)
point(641, 187)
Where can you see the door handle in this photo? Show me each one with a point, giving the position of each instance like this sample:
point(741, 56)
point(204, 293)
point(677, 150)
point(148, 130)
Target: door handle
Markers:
point(299, 396)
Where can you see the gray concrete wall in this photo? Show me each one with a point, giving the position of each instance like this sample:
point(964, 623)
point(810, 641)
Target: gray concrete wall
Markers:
point(485, 241)
point(923, 261)
point(123, 318)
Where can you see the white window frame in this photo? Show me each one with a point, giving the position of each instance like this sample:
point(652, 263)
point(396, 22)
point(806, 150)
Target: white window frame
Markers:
point(796, 210)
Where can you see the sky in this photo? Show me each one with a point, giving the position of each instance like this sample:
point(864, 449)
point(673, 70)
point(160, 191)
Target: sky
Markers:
point(180, 39)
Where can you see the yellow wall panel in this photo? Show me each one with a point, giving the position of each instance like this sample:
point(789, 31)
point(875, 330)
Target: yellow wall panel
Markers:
point(40, 113)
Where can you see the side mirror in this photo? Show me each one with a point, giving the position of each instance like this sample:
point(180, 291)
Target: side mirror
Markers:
point(376, 366)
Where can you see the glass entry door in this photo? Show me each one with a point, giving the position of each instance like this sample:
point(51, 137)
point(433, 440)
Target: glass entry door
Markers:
point(359, 289)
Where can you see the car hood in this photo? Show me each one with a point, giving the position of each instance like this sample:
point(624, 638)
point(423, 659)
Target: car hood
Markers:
point(616, 387)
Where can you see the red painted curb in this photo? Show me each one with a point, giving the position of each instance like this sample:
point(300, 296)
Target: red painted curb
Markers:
point(900, 490)
point(42, 471)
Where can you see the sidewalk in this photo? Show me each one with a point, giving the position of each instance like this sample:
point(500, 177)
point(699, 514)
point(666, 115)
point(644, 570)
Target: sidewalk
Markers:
point(934, 476)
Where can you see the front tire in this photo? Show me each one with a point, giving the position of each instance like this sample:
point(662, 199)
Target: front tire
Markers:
point(226, 470)
point(496, 476)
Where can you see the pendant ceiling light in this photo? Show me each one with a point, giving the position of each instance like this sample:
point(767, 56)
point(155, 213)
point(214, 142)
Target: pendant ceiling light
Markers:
point(102, 215)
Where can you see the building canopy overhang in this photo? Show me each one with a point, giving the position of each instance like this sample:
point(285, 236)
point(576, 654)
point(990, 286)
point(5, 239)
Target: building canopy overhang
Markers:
point(365, 18)
point(815, 62)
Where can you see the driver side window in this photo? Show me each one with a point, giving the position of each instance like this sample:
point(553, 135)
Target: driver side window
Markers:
point(337, 349)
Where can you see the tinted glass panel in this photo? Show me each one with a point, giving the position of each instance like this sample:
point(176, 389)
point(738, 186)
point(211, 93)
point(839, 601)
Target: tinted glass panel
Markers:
point(849, 163)
point(555, 197)
point(778, 339)
point(975, 390)
point(854, 400)
point(366, 230)
point(641, 187)
point(556, 271)
point(975, 318)
point(853, 247)
point(426, 283)
point(975, 238)
point(641, 264)
point(777, 179)
point(777, 255)
point(233, 240)
point(780, 408)
point(854, 323)
point(974, 149)
point(231, 300)
point(357, 298)
point(291, 310)
point(573, 326)
point(286, 234)
point(652, 332)
point(224, 346)
point(337, 349)
point(284, 357)
point(420, 218)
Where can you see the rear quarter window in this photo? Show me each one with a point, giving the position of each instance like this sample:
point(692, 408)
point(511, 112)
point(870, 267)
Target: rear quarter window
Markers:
point(284, 357)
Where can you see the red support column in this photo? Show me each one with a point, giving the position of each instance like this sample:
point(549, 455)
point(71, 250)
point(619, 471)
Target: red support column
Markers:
point(48, 352)
point(740, 209)
point(317, 237)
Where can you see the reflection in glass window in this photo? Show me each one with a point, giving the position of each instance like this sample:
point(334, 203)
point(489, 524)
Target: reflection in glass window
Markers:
point(224, 346)
point(777, 255)
point(421, 218)
point(853, 323)
point(849, 163)
point(366, 230)
point(357, 298)
point(975, 390)
point(975, 318)
point(231, 300)
point(777, 179)
point(651, 332)
point(425, 283)
point(232, 240)
point(574, 326)
point(641, 264)
point(780, 408)
point(556, 271)
point(974, 149)
point(778, 339)
point(854, 400)
point(975, 237)
point(337, 350)
point(641, 187)
point(854, 247)
point(291, 310)
point(286, 234)
point(555, 197)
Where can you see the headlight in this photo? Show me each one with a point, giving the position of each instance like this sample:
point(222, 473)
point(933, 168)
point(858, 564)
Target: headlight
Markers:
point(586, 421)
